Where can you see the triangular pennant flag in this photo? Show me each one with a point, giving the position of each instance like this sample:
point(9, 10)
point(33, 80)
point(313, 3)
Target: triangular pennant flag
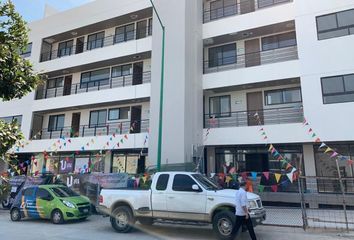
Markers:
point(334, 154)
point(126, 136)
point(277, 177)
point(318, 140)
point(262, 129)
point(274, 188)
point(314, 135)
point(288, 166)
point(270, 147)
point(328, 150)
point(290, 176)
point(350, 162)
point(263, 133)
point(265, 138)
point(276, 153)
point(304, 122)
point(254, 176)
point(280, 158)
point(322, 145)
point(244, 175)
point(121, 140)
point(117, 144)
point(266, 175)
point(310, 130)
point(260, 188)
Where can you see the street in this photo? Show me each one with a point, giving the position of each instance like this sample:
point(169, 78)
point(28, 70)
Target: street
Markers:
point(97, 227)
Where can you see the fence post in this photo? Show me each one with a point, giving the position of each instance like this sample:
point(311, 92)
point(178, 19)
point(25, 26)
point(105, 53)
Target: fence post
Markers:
point(343, 195)
point(305, 223)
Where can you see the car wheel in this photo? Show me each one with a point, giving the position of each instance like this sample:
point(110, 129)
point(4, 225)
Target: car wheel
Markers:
point(57, 217)
point(122, 219)
point(223, 224)
point(146, 221)
point(15, 214)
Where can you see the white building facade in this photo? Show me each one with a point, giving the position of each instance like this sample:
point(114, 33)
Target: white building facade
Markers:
point(240, 76)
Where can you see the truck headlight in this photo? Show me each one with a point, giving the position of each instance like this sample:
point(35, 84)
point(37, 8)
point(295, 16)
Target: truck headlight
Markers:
point(252, 204)
point(68, 204)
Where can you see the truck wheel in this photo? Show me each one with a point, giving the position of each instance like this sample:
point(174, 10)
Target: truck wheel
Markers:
point(122, 219)
point(146, 221)
point(15, 214)
point(223, 224)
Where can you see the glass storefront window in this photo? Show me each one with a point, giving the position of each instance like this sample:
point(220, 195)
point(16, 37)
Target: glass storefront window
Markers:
point(125, 163)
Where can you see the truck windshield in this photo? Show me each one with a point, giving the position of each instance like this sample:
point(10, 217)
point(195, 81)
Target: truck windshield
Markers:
point(64, 192)
point(205, 182)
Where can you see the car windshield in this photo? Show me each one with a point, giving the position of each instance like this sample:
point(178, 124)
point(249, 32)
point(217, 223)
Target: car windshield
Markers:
point(64, 192)
point(205, 182)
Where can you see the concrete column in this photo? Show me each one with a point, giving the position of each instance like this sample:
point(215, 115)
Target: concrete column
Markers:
point(310, 167)
point(210, 160)
point(183, 93)
point(107, 162)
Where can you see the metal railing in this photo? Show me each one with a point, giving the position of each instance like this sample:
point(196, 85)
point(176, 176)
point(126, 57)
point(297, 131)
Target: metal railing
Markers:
point(96, 44)
point(238, 7)
point(246, 118)
point(126, 127)
point(251, 59)
point(108, 83)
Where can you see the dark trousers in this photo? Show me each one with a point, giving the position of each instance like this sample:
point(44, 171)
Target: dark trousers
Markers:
point(241, 220)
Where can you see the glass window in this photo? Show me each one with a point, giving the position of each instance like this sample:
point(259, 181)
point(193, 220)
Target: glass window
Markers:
point(162, 182)
point(345, 18)
point(63, 192)
point(113, 114)
point(27, 51)
point(183, 183)
point(222, 55)
point(43, 194)
point(279, 41)
point(333, 85)
point(122, 70)
point(56, 122)
point(95, 40)
point(65, 48)
point(349, 83)
point(118, 163)
point(18, 119)
point(338, 89)
point(150, 27)
point(95, 78)
point(124, 33)
point(55, 82)
point(283, 96)
point(141, 29)
point(326, 22)
point(216, 9)
point(98, 118)
point(220, 106)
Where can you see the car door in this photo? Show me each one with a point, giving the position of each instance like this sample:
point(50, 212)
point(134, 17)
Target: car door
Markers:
point(28, 203)
point(183, 202)
point(158, 198)
point(44, 203)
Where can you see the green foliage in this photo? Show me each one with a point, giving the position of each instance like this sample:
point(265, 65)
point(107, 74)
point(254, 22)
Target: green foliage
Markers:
point(9, 134)
point(17, 77)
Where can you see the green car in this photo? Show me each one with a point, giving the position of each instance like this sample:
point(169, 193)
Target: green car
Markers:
point(56, 202)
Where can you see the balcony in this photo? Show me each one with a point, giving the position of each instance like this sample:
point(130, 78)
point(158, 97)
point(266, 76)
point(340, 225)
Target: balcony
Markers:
point(212, 13)
point(270, 116)
point(92, 131)
point(251, 59)
point(69, 50)
point(78, 88)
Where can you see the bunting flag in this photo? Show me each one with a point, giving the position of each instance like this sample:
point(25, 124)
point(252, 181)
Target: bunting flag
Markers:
point(254, 175)
point(277, 177)
point(270, 147)
point(350, 162)
point(328, 150)
point(260, 188)
point(318, 140)
point(126, 136)
point(266, 175)
point(322, 145)
point(275, 188)
point(334, 154)
point(244, 176)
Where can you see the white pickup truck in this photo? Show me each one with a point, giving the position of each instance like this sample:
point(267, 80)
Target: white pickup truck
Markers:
point(177, 197)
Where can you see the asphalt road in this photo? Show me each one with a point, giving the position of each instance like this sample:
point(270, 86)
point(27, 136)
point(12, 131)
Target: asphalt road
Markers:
point(97, 227)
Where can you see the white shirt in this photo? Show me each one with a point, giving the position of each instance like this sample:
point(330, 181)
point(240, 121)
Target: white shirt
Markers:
point(241, 201)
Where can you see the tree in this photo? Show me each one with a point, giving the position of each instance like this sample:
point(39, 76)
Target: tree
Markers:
point(17, 77)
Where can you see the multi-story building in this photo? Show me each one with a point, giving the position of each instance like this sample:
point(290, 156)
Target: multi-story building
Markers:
point(231, 68)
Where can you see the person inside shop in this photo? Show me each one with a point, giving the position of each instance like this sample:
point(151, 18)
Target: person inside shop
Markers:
point(242, 212)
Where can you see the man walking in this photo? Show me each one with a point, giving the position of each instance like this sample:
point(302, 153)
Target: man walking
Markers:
point(242, 215)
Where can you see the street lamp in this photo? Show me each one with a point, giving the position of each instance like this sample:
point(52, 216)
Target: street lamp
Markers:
point(159, 142)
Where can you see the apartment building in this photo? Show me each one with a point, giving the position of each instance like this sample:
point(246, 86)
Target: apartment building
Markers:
point(232, 67)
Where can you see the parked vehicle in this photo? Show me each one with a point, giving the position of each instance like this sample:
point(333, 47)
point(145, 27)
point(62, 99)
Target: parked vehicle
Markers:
point(177, 197)
point(16, 183)
point(56, 202)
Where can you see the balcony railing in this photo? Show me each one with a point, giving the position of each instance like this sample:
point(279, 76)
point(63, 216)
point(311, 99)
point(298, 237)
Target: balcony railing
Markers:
point(126, 127)
point(98, 85)
point(251, 59)
point(247, 118)
point(236, 8)
point(96, 44)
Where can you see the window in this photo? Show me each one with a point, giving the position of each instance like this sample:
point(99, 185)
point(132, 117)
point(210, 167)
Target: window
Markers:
point(27, 51)
point(162, 182)
point(222, 55)
point(95, 41)
point(65, 48)
point(141, 29)
point(28, 192)
point(118, 113)
point(338, 89)
point(222, 8)
point(44, 194)
point(150, 27)
point(95, 78)
point(220, 106)
point(283, 96)
point(183, 183)
point(335, 24)
point(55, 82)
point(123, 70)
point(63, 192)
point(56, 122)
point(267, 3)
point(279, 41)
point(18, 119)
point(124, 33)
point(98, 118)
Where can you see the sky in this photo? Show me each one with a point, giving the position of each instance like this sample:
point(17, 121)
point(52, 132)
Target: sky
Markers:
point(32, 10)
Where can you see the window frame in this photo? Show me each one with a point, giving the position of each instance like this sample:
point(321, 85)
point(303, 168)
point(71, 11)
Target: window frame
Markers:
point(124, 33)
point(324, 95)
point(220, 114)
point(119, 113)
point(222, 53)
point(150, 26)
point(86, 84)
point(121, 70)
point(66, 47)
point(89, 42)
point(282, 90)
point(164, 187)
point(56, 128)
point(348, 27)
point(278, 36)
point(98, 125)
point(48, 193)
point(58, 82)
point(184, 190)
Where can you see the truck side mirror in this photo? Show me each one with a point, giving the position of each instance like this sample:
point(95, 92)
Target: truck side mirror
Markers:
point(196, 188)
